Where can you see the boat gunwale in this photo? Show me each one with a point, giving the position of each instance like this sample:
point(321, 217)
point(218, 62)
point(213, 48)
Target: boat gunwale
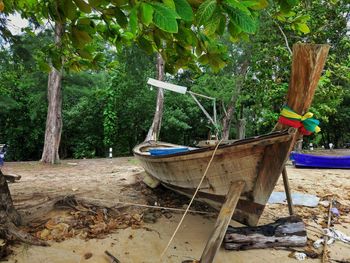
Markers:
point(241, 142)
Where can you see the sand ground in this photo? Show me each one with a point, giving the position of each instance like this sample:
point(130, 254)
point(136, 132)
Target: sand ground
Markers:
point(111, 180)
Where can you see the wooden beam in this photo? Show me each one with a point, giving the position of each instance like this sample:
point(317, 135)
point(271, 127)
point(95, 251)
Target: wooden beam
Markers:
point(287, 190)
point(222, 222)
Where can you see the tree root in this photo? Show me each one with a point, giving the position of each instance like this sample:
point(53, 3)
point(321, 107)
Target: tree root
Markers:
point(11, 232)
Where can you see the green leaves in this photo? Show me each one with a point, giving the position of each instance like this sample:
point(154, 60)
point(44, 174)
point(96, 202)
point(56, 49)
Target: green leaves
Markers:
point(83, 6)
point(146, 13)
point(80, 38)
point(121, 17)
point(205, 11)
point(256, 4)
point(302, 27)
point(133, 21)
point(69, 9)
point(240, 18)
point(165, 18)
point(184, 10)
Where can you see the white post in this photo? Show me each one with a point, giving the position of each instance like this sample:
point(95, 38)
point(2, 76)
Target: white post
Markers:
point(110, 152)
point(311, 147)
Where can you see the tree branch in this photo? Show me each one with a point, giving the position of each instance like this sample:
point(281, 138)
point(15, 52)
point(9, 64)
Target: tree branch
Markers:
point(284, 36)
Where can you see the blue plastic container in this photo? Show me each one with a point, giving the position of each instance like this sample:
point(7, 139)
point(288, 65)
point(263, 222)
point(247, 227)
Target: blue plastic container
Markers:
point(166, 151)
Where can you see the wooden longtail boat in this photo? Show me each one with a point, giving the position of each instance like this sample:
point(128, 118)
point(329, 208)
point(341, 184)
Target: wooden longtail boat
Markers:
point(240, 175)
point(233, 162)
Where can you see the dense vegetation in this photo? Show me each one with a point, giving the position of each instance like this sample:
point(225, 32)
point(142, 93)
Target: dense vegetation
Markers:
point(112, 106)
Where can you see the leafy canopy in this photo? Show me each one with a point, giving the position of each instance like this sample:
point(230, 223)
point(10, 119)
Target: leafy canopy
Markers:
point(183, 31)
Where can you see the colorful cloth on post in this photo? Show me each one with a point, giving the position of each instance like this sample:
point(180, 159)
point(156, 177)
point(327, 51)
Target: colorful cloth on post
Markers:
point(305, 123)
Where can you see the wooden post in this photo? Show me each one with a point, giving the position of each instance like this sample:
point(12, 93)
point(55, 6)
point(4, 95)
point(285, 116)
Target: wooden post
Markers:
point(222, 222)
point(287, 190)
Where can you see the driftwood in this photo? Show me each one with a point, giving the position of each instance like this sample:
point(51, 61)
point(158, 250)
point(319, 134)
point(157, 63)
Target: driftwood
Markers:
point(113, 258)
point(12, 178)
point(285, 232)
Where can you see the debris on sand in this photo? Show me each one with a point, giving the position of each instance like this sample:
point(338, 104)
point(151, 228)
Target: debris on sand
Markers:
point(84, 220)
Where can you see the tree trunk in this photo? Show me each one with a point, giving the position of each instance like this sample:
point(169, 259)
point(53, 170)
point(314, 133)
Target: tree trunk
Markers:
point(299, 145)
point(54, 113)
point(241, 128)
point(226, 122)
point(153, 132)
point(7, 210)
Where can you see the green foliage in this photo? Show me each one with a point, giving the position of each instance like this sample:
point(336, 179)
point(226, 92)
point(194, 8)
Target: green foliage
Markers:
point(113, 107)
point(153, 22)
point(184, 10)
point(165, 18)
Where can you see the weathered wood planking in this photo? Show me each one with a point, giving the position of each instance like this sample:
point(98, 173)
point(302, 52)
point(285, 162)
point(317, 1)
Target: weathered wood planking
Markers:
point(275, 157)
point(231, 163)
point(222, 222)
point(307, 66)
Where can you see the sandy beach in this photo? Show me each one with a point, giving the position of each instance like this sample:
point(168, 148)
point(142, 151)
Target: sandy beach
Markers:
point(117, 182)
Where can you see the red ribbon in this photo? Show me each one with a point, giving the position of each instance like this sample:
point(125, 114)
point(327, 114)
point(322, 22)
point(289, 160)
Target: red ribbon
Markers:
point(294, 123)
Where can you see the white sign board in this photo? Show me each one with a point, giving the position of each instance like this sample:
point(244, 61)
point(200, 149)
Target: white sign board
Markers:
point(166, 85)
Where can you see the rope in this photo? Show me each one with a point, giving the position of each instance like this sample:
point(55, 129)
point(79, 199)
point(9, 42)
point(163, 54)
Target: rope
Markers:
point(194, 195)
point(163, 207)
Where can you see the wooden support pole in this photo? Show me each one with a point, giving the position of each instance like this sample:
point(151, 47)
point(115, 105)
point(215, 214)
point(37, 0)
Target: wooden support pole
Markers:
point(222, 222)
point(287, 190)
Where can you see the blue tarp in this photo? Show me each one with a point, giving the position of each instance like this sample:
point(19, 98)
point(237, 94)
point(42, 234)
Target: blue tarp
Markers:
point(166, 151)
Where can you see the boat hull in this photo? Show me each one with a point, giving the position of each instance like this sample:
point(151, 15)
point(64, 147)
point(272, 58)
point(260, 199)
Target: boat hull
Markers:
point(257, 161)
point(320, 161)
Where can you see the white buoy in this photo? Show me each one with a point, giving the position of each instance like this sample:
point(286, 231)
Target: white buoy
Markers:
point(110, 152)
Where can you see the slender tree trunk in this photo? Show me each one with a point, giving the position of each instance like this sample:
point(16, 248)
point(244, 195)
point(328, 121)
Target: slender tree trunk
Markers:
point(153, 132)
point(241, 128)
point(54, 113)
point(226, 122)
